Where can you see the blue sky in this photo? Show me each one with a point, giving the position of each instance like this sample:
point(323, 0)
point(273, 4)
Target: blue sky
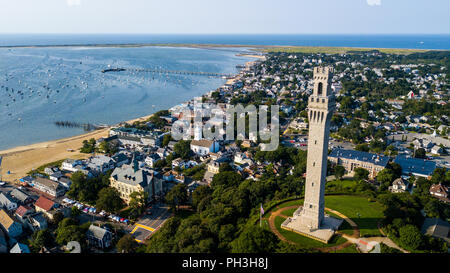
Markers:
point(225, 16)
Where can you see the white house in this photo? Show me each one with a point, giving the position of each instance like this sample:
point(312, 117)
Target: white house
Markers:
point(203, 147)
point(399, 185)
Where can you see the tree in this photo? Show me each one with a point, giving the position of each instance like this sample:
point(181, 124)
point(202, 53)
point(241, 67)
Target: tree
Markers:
point(138, 201)
point(127, 244)
point(226, 179)
point(339, 171)
point(41, 238)
point(57, 217)
point(361, 174)
point(385, 177)
point(109, 200)
point(177, 196)
point(410, 237)
point(88, 146)
point(255, 240)
point(183, 149)
point(420, 153)
point(166, 139)
point(75, 212)
point(199, 194)
point(68, 230)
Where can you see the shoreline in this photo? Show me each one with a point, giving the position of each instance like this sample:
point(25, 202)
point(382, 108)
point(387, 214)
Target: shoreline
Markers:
point(20, 160)
point(257, 48)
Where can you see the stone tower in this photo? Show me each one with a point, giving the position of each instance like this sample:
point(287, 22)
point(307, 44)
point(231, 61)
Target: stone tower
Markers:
point(310, 220)
point(320, 110)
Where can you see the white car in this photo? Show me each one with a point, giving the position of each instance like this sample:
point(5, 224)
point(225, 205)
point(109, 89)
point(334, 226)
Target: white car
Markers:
point(2, 183)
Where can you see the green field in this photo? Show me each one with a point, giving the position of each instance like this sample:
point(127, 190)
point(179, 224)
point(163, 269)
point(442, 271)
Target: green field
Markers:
point(364, 213)
point(344, 183)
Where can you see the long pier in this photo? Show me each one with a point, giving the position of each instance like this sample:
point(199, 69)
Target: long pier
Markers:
point(178, 72)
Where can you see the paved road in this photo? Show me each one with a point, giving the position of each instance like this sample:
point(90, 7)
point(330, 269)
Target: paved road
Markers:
point(148, 224)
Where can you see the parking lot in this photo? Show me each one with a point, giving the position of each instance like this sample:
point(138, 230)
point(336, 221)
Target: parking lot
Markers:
point(150, 222)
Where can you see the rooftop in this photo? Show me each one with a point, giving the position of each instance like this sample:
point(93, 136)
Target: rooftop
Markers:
point(415, 165)
point(375, 159)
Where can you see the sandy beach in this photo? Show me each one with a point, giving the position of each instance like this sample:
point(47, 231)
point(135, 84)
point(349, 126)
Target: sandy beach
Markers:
point(20, 160)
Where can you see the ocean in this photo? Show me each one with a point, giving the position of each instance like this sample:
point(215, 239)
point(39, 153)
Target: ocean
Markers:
point(42, 85)
point(417, 41)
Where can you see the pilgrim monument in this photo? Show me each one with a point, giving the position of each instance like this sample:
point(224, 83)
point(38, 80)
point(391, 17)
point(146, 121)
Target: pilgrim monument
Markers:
point(310, 219)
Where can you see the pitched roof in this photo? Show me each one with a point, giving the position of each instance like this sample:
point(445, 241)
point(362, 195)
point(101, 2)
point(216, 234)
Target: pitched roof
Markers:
point(439, 188)
point(47, 183)
point(20, 248)
point(44, 203)
point(435, 227)
point(126, 174)
point(5, 199)
point(97, 232)
point(22, 210)
point(202, 143)
point(5, 220)
point(19, 195)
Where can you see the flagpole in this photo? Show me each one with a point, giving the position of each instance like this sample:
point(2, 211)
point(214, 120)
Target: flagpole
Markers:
point(260, 215)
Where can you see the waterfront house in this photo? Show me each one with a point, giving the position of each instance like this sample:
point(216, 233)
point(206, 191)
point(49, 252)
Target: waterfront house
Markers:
point(100, 163)
point(49, 186)
point(72, 165)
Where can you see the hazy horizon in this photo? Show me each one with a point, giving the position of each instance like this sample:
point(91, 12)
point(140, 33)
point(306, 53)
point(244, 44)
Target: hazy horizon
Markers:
point(321, 17)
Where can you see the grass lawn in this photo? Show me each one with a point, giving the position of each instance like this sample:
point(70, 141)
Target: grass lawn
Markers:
point(305, 241)
point(350, 249)
point(344, 183)
point(345, 227)
point(369, 212)
point(289, 212)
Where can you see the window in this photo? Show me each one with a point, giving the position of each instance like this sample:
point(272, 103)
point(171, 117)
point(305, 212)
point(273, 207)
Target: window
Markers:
point(319, 88)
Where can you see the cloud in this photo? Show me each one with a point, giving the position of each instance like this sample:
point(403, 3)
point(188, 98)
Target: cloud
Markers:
point(72, 3)
point(374, 2)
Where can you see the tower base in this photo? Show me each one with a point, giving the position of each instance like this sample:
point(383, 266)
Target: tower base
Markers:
point(323, 234)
